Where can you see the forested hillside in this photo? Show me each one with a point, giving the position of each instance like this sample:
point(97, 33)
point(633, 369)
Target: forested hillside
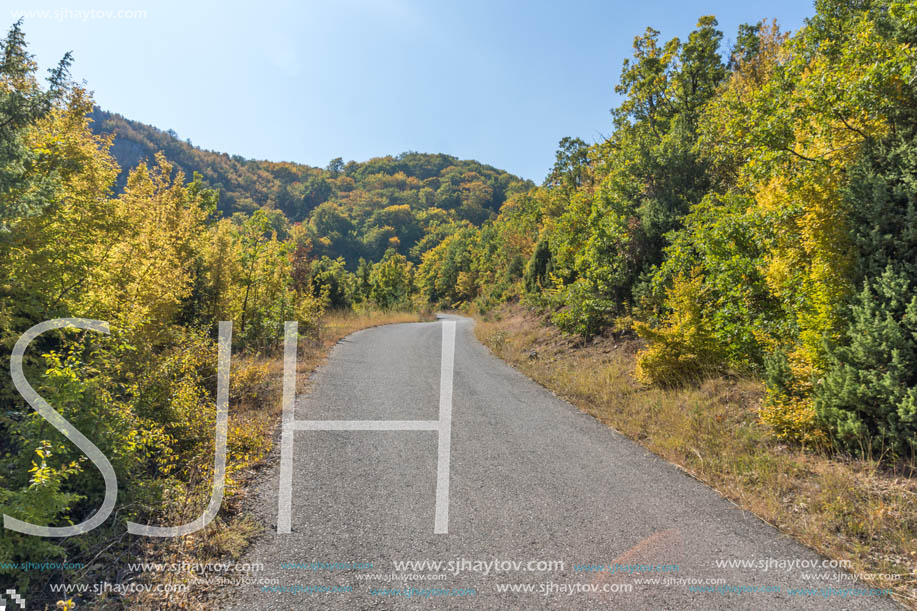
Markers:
point(350, 209)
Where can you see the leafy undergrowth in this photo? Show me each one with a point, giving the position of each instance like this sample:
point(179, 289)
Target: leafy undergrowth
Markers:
point(845, 509)
point(255, 409)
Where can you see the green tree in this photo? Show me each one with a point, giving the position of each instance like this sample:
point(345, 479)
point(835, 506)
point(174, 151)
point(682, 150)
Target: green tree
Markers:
point(331, 282)
point(29, 176)
point(391, 281)
point(868, 399)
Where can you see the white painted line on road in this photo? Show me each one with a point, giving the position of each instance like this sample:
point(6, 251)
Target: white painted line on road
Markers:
point(441, 522)
point(366, 425)
point(290, 426)
point(285, 499)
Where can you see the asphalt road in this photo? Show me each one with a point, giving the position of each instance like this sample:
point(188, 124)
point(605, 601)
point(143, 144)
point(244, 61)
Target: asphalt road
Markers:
point(532, 480)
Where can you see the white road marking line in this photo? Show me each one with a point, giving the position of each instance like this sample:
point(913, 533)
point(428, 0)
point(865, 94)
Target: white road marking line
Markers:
point(285, 499)
point(441, 522)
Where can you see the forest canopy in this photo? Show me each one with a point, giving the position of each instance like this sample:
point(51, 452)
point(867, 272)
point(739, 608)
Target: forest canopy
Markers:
point(350, 209)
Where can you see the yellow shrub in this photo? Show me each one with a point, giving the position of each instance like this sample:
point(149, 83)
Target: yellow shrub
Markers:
point(792, 418)
point(789, 408)
point(248, 380)
point(681, 350)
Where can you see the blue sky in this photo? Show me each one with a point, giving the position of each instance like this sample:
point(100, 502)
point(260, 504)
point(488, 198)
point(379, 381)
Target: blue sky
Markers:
point(305, 81)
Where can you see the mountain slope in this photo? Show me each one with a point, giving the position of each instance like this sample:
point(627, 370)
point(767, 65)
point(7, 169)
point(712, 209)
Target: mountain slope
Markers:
point(356, 209)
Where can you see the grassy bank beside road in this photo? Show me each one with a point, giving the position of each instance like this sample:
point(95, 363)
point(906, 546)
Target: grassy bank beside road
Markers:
point(844, 509)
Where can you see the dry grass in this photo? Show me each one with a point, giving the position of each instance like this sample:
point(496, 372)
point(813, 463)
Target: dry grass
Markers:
point(844, 509)
point(337, 325)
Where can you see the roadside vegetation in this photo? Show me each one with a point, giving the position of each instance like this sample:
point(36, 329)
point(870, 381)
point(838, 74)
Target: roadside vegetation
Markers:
point(753, 212)
point(847, 509)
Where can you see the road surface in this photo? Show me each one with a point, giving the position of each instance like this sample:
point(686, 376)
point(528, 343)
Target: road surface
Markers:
point(534, 484)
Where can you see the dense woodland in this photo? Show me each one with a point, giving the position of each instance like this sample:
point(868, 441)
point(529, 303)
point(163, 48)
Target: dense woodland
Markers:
point(350, 210)
point(754, 211)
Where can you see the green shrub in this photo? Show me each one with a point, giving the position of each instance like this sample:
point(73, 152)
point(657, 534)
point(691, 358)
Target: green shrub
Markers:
point(585, 312)
point(868, 399)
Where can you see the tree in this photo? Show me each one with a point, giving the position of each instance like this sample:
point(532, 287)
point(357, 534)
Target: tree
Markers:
point(647, 175)
point(29, 177)
point(868, 399)
point(331, 282)
point(571, 163)
point(335, 167)
point(391, 281)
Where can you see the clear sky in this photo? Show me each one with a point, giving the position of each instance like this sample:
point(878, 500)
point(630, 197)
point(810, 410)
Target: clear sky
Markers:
point(496, 81)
